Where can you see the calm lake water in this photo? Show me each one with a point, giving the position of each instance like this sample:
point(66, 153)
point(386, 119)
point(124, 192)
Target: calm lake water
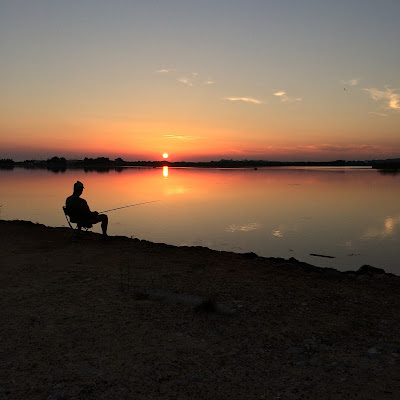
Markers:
point(352, 214)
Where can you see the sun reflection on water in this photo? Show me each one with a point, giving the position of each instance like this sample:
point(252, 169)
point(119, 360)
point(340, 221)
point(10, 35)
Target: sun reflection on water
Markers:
point(389, 228)
point(165, 171)
point(243, 228)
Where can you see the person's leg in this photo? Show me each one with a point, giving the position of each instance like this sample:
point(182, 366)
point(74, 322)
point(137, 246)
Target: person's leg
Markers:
point(104, 223)
point(100, 218)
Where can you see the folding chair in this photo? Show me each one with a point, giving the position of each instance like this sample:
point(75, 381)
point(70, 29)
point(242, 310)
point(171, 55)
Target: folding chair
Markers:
point(71, 220)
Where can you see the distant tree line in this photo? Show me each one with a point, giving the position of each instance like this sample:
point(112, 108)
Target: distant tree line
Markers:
point(7, 161)
point(57, 160)
point(60, 164)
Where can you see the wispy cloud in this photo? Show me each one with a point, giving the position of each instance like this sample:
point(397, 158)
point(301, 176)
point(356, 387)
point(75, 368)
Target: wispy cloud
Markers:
point(378, 114)
point(322, 148)
point(183, 137)
point(190, 79)
point(388, 96)
point(339, 148)
point(164, 71)
point(285, 98)
point(209, 82)
point(352, 82)
point(245, 99)
point(194, 79)
point(186, 81)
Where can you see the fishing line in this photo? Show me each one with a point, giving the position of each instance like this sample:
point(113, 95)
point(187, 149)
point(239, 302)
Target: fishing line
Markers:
point(132, 205)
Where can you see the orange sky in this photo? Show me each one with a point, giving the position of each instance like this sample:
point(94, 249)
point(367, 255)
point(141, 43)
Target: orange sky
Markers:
point(256, 81)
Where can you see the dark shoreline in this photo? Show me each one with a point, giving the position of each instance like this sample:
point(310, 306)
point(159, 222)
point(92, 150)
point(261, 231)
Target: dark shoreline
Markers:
point(364, 270)
point(127, 318)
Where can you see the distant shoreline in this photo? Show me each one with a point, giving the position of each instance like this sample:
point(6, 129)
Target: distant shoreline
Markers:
point(103, 163)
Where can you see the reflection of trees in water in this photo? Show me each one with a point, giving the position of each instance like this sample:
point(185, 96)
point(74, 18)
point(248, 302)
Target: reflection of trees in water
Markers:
point(101, 170)
point(388, 167)
point(56, 170)
point(389, 171)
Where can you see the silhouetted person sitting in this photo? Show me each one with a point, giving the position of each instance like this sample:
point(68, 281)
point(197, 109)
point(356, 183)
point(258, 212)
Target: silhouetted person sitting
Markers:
point(79, 211)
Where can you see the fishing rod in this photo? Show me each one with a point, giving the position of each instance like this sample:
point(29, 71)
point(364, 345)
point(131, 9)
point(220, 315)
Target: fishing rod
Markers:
point(132, 205)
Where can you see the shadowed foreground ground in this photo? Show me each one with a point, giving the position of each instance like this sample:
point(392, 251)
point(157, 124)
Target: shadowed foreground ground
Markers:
point(84, 318)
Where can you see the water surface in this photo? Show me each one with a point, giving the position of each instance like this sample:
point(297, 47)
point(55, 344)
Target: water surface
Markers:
point(352, 214)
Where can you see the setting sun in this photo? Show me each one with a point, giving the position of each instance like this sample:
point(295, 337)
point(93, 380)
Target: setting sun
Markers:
point(165, 155)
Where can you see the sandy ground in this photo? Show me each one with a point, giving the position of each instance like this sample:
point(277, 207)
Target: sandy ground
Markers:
point(86, 318)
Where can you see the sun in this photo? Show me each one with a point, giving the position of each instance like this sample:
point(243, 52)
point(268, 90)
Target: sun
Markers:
point(165, 155)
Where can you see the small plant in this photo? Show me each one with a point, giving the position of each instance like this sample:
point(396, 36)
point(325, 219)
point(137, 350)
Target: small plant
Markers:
point(207, 306)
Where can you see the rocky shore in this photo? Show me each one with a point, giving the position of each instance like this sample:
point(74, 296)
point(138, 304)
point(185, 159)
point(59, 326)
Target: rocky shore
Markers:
point(87, 318)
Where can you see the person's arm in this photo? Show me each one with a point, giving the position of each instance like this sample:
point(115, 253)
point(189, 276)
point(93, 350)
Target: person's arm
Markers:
point(85, 210)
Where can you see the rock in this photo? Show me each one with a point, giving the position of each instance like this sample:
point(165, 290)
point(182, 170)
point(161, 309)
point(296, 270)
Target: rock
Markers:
point(294, 350)
point(315, 362)
point(373, 350)
point(368, 270)
point(331, 274)
point(393, 348)
point(291, 395)
point(250, 255)
point(195, 378)
point(390, 360)
point(301, 364)
point(310, 342)
point(339, 367)
point(380, 277)
point(55, 396)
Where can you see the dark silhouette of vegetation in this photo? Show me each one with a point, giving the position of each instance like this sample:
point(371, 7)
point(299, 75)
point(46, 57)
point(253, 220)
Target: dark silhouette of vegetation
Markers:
point(104, 164)
point(97, 161)
point(6, 163)
point(57, 160)
point(392, 164)
point(57, 164)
